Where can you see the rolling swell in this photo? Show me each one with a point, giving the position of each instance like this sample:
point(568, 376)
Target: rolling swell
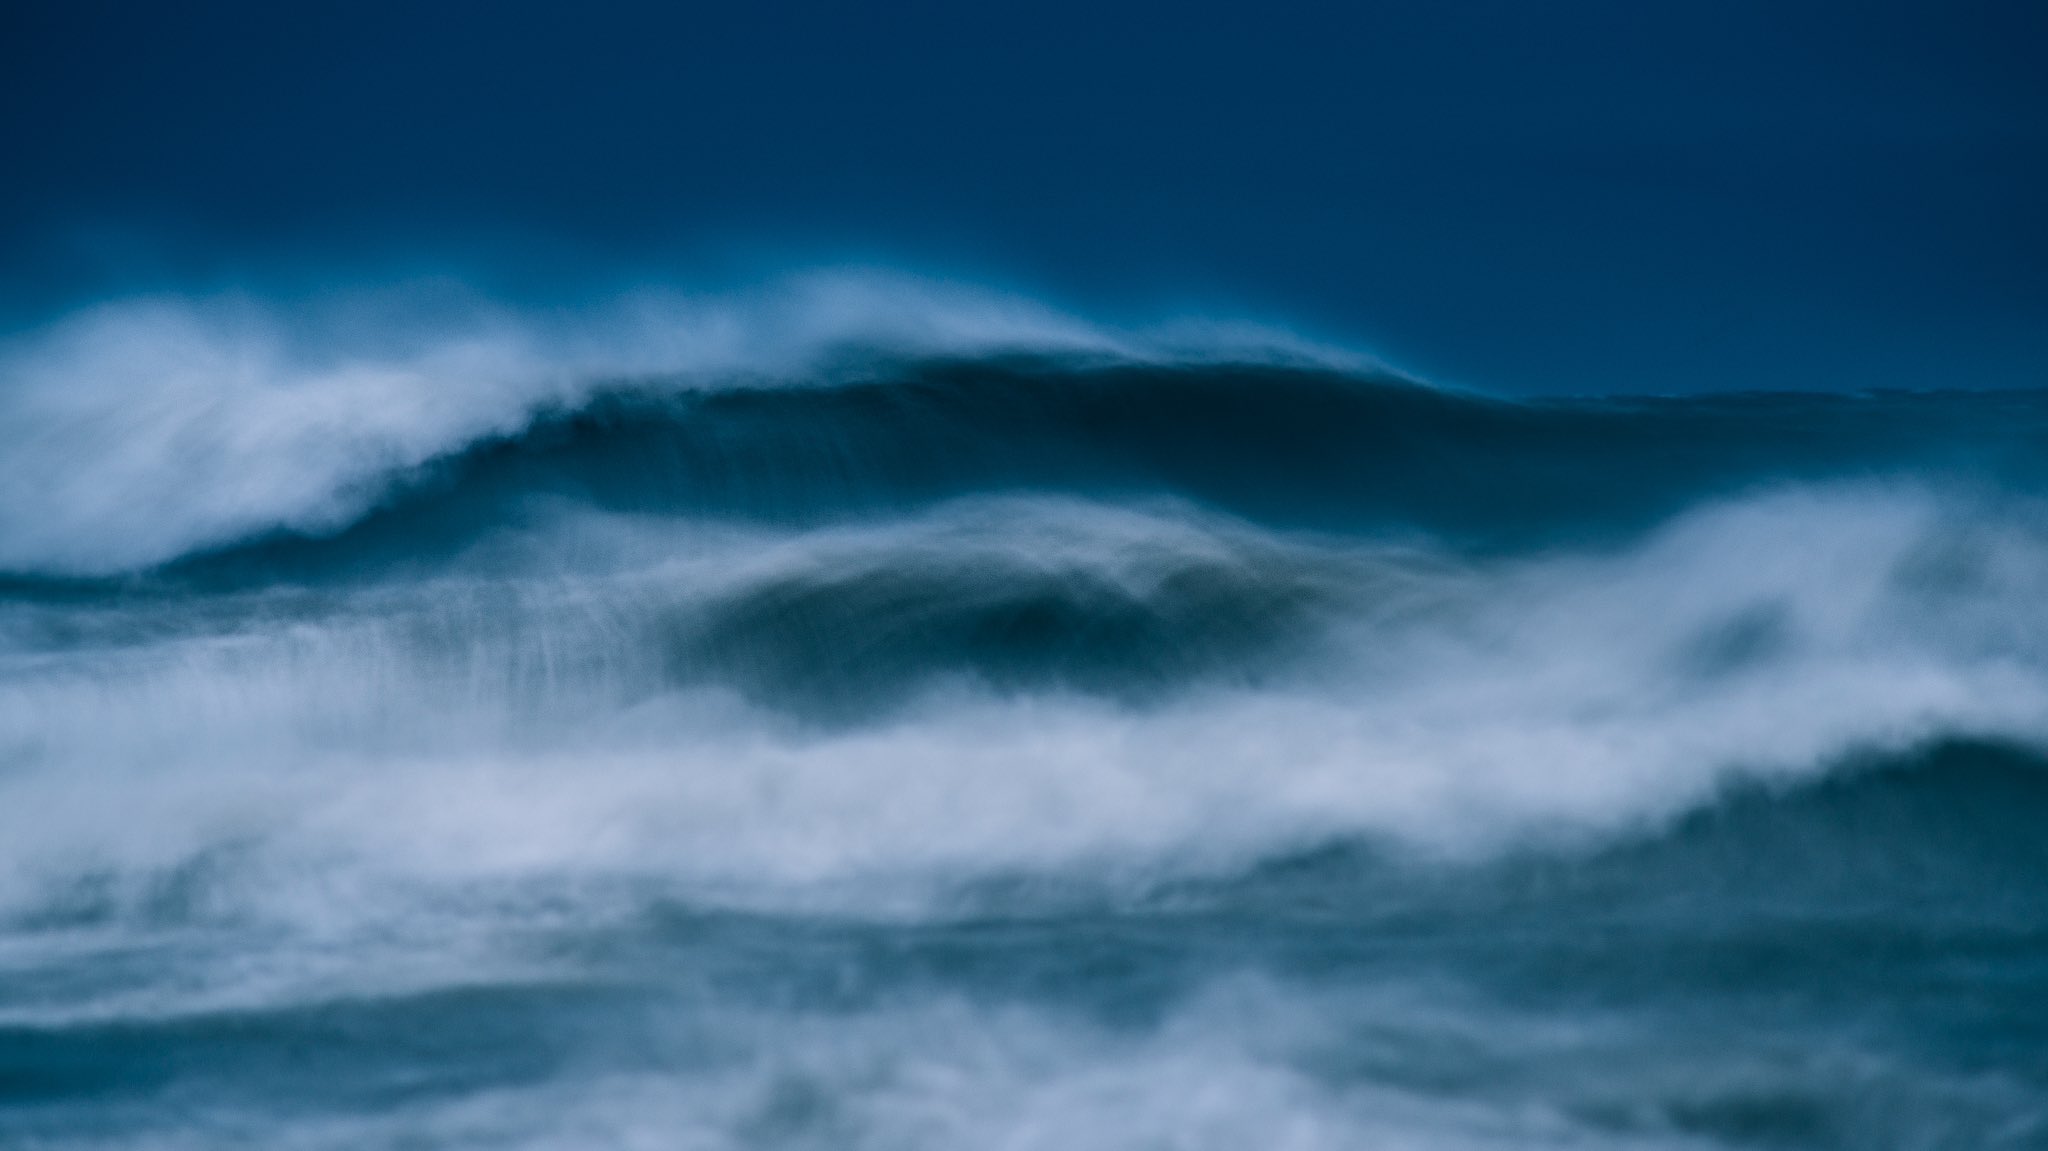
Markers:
point(1290, 447)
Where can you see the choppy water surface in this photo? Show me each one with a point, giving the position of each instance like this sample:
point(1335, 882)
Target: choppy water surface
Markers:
point(927, 724)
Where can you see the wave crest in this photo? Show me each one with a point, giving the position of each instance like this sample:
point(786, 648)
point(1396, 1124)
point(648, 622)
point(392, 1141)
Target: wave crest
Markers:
point(138, 431)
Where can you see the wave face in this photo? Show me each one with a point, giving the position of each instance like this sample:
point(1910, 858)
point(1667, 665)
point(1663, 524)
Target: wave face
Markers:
point(866, 713)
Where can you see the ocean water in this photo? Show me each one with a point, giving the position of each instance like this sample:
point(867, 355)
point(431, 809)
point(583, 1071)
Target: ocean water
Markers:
point(870, 713)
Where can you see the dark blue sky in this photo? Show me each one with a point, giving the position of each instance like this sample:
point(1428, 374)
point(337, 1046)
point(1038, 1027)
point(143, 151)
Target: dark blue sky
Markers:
point(1580, 196)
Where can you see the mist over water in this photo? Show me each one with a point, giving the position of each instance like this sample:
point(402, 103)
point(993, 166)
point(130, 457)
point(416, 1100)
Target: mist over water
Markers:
point(864, 711)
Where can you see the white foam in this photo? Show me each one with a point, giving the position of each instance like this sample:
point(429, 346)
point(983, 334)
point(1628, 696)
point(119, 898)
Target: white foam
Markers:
point(1239, 1064)
point(532, 737)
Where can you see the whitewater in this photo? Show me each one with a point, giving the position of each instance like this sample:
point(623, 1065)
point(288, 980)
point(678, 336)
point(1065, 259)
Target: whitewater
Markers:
point(864, 711)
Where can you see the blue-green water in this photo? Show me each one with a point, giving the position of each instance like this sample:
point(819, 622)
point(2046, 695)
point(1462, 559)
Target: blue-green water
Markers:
point(1026, 738)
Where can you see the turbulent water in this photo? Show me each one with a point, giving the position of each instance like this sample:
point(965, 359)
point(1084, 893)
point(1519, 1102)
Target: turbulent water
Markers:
point(869, 716)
